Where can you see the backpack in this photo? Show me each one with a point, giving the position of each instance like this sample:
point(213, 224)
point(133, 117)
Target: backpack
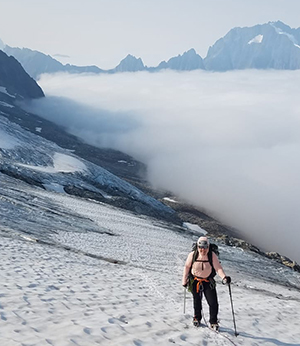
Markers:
point(212, 248)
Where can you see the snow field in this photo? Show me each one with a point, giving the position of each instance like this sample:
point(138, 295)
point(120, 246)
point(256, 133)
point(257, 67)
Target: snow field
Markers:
point(51, 296)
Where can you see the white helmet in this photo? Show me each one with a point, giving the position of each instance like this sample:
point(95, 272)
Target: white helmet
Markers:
point(203, 242)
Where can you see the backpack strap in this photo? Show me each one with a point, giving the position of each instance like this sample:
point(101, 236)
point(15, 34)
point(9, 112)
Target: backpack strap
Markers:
point(195, 255)
point(210, 260)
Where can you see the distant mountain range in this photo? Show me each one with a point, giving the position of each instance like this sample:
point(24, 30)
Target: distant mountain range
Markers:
point(273, 45)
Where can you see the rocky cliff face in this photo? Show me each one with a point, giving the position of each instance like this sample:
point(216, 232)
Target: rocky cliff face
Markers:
point(16, 81)
point(267, 46)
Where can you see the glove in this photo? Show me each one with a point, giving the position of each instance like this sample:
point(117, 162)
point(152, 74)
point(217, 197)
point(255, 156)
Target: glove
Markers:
point(226, 280)
point(185, 286)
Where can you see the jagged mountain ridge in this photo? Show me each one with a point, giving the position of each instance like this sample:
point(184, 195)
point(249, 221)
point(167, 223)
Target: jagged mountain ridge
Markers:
point(266, 46)
point(188, 61)
point(273, 45)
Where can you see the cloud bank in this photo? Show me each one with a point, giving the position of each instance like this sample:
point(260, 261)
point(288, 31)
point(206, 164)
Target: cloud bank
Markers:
point(228, 142)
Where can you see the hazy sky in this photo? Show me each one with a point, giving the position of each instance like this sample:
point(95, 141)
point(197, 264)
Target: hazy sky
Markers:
point(102, 32)
point(228, 142)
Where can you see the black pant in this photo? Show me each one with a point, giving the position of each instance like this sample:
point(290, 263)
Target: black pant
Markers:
point(210, 294)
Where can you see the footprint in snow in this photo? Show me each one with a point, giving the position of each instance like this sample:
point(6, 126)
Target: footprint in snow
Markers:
point(123, 319)
point(87, 330)
point(183, 337)
point(3, 318)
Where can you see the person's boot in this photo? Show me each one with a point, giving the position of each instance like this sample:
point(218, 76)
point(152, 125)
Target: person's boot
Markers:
point(196, 322)
point(214, 326)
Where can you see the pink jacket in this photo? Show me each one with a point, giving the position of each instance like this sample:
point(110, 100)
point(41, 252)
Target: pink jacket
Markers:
point(201, 269)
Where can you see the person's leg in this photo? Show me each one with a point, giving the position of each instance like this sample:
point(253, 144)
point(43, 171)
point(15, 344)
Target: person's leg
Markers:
point(212, 300)
point(197, 303)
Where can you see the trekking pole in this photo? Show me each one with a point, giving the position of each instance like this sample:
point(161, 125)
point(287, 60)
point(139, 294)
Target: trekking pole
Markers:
point(235, 332)
point(184, 298)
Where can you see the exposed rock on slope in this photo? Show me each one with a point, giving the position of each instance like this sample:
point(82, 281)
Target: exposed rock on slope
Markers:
point(16, 81)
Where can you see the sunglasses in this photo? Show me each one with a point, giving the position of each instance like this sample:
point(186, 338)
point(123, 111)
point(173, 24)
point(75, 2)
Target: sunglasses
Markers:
point(203, 245)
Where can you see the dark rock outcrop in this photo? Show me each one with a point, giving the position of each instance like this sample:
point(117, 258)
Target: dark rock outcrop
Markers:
point(284, 260)
point(16, 81)
point(231, 241)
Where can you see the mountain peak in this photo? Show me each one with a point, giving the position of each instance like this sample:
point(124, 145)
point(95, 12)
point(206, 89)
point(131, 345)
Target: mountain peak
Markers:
point(273, 45)
point(188, 61)
point(130, 64)
point(131, 57)
point(190, 52)
point(281, 25)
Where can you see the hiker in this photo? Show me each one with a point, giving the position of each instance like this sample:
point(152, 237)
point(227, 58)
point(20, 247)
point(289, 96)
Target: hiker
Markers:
point(199, 275)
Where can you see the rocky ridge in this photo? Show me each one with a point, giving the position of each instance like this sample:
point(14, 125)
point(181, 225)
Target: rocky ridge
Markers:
point(232, 241)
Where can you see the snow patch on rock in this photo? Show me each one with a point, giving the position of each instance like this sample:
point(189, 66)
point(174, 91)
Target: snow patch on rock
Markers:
point(256, 39)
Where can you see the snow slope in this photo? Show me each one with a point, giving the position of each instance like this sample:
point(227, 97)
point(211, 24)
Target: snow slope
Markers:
point(65, 288)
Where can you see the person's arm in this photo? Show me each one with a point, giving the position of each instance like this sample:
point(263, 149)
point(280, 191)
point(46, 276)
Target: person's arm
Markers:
point(217, 265)
point(187, 268)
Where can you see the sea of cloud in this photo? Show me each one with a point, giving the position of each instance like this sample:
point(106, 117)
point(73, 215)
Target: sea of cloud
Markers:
point(228, 142)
